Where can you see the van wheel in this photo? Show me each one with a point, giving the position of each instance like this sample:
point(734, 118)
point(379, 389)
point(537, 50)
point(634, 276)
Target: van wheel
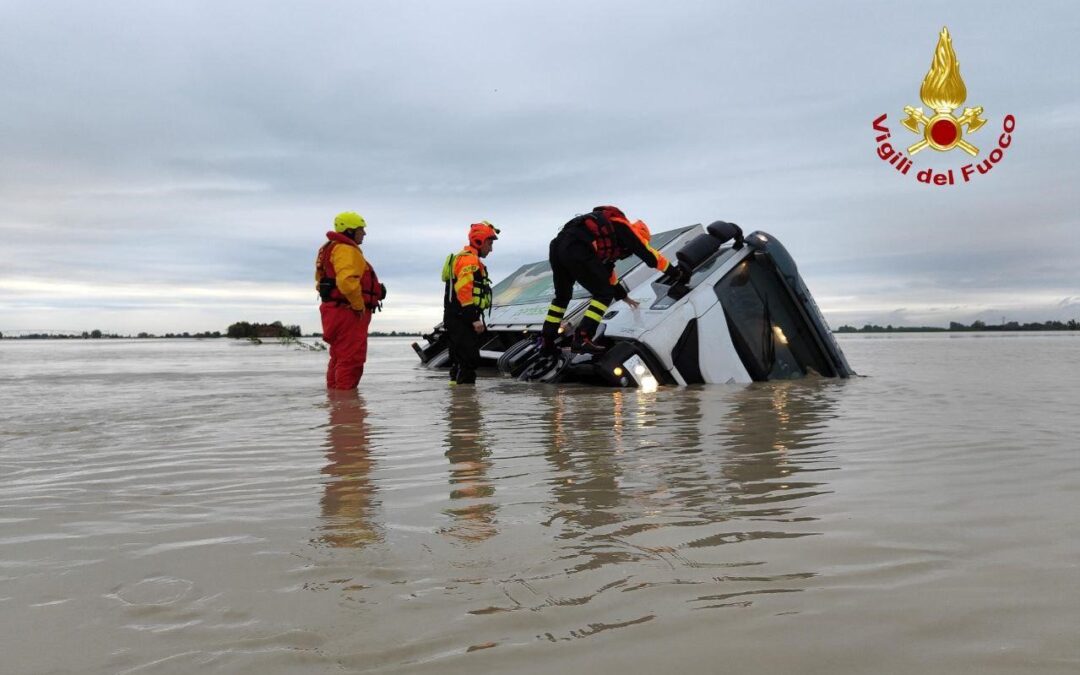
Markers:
point(545, 368)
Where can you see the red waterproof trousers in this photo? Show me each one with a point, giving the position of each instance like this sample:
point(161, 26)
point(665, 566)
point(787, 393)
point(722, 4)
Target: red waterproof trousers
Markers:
point(346, 331)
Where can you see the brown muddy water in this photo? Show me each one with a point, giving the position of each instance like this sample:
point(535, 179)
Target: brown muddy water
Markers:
point(204, 506)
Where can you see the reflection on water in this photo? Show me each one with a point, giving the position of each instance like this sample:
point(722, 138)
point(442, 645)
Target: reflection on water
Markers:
point(348, 502)
point(773, 433)
point(638, 506)
point(581, 446)
point(656, 488)
point(471, 492)
point(233, 518)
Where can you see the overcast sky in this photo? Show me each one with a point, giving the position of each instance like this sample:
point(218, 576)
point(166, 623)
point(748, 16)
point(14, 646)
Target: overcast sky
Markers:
point(171, 166)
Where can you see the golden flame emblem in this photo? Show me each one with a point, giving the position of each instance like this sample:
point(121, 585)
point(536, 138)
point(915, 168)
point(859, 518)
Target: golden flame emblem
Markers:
point(943, 91)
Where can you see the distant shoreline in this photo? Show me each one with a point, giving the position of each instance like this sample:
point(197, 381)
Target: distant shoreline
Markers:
point(975, 327)
point(171, 336)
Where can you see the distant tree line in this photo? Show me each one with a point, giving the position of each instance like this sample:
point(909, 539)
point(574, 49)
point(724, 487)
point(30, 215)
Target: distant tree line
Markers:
point(97, 335)
point(243, 329)
point(85, 335)
point(240, 329)
point(956, 327)
point(185, 334)
point(1071, 324)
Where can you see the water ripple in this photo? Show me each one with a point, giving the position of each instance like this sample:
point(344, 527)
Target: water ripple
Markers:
point(233, 516)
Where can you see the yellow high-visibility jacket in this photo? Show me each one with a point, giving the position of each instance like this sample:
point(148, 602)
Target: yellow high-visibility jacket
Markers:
point(348, 268)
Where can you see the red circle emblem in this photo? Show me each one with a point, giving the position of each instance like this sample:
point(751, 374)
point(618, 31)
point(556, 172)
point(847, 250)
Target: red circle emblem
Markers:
point(944, 132)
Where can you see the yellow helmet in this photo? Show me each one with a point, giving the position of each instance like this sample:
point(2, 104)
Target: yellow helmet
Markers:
point(348, 220)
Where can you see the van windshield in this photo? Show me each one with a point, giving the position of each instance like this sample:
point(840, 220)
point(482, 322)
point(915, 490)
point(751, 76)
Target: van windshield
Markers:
point(771, 336)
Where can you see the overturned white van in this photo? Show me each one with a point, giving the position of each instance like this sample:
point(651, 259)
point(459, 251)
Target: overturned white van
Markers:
point(745, 315)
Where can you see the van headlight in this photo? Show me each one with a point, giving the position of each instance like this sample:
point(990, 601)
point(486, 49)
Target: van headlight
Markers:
point(635, 367)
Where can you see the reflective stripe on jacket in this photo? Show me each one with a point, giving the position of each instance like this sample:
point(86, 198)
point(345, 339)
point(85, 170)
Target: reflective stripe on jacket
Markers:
point(658, 260)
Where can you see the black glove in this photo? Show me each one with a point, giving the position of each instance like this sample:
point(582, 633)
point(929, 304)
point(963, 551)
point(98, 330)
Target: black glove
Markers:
point(382, 296)
point(677, 274)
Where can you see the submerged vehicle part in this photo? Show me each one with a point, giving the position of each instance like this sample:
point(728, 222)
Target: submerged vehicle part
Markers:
point(744, 315)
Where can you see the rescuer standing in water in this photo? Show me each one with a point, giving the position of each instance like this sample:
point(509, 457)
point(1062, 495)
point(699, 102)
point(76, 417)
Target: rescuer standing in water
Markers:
point(350, 292)
point(468, 294)
point(585, 251)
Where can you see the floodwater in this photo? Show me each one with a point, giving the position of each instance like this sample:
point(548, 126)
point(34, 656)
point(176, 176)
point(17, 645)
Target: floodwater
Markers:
point(188, 506)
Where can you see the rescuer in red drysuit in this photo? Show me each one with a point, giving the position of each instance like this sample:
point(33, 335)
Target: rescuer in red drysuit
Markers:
point(350, 292)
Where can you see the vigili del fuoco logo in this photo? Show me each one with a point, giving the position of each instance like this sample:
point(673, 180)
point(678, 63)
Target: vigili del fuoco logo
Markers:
point(943, 91)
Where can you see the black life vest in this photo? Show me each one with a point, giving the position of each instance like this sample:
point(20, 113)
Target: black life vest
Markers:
point(600, 230)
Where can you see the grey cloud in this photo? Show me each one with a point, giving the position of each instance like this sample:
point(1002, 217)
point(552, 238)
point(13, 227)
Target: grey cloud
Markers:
point(197, 141)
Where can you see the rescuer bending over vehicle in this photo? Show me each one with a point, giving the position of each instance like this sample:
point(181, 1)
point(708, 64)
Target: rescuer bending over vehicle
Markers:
point(585, 251)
